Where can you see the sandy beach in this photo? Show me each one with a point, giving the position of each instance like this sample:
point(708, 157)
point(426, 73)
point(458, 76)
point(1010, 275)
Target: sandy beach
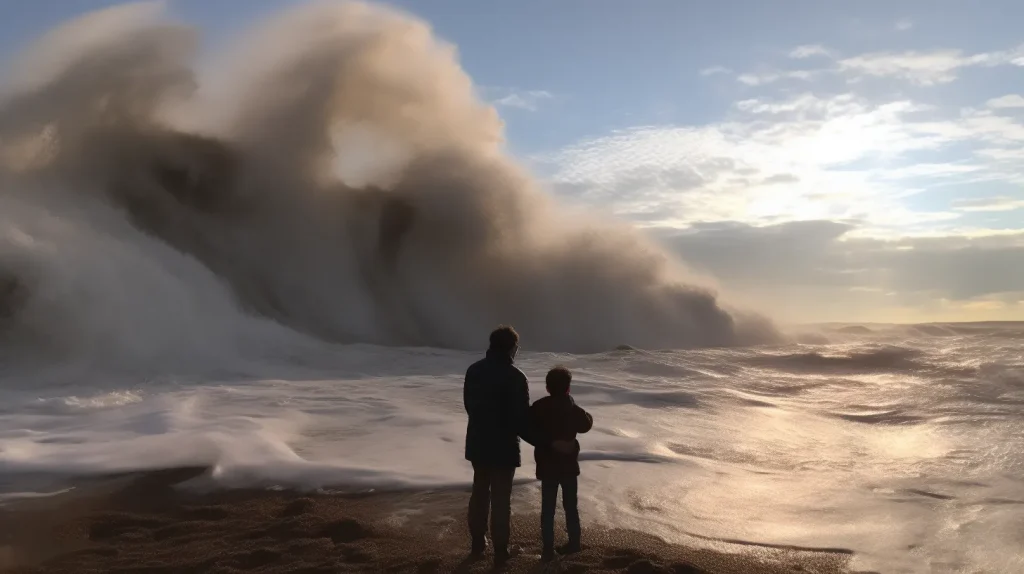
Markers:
point(142, 523)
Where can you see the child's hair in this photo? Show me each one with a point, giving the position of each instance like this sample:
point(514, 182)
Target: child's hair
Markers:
point(558, 380)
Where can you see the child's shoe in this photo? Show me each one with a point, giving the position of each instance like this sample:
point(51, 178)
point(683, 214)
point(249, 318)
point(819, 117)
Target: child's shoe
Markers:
point(570, 548)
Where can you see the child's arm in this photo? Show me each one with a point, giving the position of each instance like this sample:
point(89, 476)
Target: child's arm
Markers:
point(583, 421)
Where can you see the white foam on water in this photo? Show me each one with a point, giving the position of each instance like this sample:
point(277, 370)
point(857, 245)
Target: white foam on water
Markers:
point(920, 495)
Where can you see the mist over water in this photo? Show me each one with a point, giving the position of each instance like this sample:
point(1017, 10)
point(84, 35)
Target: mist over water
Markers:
point(332, 172)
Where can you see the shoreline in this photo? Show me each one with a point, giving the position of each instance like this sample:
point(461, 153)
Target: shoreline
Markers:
point(140, 522)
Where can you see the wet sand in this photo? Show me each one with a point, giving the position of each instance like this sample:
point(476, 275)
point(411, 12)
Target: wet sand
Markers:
point(141, 523)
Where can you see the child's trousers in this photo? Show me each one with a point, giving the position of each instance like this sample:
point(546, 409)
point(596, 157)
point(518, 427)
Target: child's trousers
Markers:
point(549, 495)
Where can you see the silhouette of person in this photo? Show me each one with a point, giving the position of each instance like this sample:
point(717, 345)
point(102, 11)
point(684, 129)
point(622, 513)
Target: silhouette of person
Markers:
point(497, 400)
point(558, 415)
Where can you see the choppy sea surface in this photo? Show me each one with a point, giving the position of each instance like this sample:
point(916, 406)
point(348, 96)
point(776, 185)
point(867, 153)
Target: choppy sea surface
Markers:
point(903, 444)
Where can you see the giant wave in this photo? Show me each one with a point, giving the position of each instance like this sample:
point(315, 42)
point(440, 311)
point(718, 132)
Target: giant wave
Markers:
point(332, 174)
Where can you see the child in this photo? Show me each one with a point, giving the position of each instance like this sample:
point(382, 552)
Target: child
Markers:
point(558, 418)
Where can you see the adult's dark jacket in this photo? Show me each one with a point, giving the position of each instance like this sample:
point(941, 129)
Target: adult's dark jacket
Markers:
point(560, 418)
point(497, 399)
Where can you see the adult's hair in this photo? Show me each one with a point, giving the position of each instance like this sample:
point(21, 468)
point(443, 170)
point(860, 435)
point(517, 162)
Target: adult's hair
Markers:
point(504, 339)
point(558, 380)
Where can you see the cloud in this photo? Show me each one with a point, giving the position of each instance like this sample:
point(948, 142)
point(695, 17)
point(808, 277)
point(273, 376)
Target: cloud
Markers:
point(903, 25)
point(983, 204)
point(866, 156)
point(715, 71)
point(772, 77)
point(927, 68)
point(528, 100)
point(809, 51)
point(804, 156)
point(780, 178)
point(804, 105)
point(924, 68)
point(817, 270)
point(823, 194)
point(1008, 101)
point(742, 254)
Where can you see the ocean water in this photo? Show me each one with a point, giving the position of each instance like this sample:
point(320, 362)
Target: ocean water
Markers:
point(278, 262)
point(902, 444)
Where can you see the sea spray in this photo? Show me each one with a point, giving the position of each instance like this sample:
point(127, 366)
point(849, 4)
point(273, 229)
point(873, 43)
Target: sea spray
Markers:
point(266, 182)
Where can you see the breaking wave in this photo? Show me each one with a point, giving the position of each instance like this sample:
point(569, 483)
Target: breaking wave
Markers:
point(884, 358)
point(333, 174)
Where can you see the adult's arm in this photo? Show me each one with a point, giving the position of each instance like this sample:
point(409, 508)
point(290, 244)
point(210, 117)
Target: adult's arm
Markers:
point(520, 415)
point(470, 393)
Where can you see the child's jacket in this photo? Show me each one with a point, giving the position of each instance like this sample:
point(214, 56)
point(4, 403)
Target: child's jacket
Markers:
point(558, 418)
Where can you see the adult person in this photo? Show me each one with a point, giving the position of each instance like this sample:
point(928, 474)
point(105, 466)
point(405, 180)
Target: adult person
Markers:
point(497, 400)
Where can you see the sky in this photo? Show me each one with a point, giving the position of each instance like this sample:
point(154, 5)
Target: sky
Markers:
point(830, 161)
